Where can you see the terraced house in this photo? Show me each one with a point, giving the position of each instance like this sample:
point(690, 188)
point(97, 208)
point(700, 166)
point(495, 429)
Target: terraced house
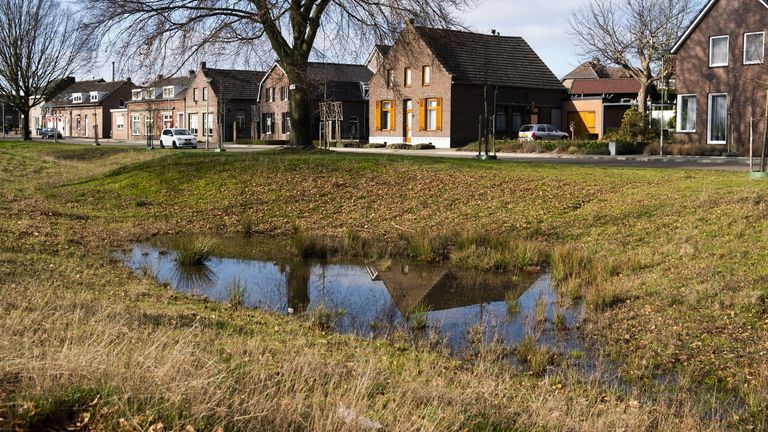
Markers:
point(82, 109)
point(328, 82)
point(434, 85)
point(721, 76)
point(152, 108)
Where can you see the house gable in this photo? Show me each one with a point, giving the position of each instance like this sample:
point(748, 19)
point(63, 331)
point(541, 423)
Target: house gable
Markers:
point(699, 18)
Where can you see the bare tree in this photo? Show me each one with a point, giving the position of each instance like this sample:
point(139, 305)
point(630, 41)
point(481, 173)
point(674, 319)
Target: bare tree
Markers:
point(151, 32)
point(38, 46)
point(631, 34)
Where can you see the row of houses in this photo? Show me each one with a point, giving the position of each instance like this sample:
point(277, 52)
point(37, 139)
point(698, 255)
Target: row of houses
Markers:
point(436, 86)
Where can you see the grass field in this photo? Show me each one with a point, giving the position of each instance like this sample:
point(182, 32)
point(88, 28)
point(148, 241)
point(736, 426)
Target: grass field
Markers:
point(681, 291)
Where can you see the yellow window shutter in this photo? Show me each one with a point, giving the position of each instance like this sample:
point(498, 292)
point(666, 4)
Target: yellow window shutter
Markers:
point(422, 114)
point(392, 117)
point(439, 114)
point(377, 116)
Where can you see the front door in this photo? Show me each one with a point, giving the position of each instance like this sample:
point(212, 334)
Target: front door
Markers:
point(408, 120)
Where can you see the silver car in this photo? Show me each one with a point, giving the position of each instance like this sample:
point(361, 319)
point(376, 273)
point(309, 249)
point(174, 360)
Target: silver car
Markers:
point(177, 138)
point(540, 132)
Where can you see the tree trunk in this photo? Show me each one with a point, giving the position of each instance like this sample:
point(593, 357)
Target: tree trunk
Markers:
point(300, 105)
point(24, 124)
point(642, 95)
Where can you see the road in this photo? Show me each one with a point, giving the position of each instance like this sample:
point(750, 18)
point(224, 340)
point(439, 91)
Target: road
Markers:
point(638, 161)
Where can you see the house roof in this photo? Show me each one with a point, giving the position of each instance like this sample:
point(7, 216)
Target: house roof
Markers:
point(605, 86)
point(235, 84)
point(181, 81)
point(596, 70)
point(475, 58)
point(337, 72)
point(696, 21)
point(63, 98)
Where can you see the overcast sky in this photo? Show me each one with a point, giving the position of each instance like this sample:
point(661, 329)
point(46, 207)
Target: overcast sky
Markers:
point(542, 23)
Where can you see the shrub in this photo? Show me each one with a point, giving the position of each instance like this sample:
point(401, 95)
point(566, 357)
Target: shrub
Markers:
point(401, 146)
point(263, 142)
point(592, 147)
point(424, 146)
point(375, 145)
point(635, 128)
point(236, 292)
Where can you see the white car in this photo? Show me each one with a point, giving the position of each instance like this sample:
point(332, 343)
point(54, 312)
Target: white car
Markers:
point(540, 132)
point(177, 138)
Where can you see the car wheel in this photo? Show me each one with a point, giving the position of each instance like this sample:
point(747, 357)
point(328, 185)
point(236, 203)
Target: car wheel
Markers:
point(174, 144)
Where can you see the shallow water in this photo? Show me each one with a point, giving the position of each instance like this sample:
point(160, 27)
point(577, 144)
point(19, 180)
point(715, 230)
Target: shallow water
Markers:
point(375, 299)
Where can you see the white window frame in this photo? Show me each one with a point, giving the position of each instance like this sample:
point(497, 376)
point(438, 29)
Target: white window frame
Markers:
point(180, 120)
point(167, 120)
point(193, 121)
point(136, 94)
point(762, 51)
point(680, 113)
point(205, 93)
point(77, 97)
point(709, 118)
point(168, 92)
point(727, 50)
point(135, 121)
point(120, 122)
point(94, 96)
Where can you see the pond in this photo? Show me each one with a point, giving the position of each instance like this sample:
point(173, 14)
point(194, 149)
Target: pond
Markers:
point(373, 299)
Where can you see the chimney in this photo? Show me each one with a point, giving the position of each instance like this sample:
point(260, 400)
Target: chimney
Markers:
point(410, 22)
point(128, 79)
point(192, 72)
point(493, 32)
point(202, 66)
point(159, 77)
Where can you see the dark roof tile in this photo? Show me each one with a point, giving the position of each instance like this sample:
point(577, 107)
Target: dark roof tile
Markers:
point(476, 58)
point(235, 84)
point(605, 86)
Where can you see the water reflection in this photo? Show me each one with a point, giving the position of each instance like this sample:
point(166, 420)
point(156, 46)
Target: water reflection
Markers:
point(374, 299)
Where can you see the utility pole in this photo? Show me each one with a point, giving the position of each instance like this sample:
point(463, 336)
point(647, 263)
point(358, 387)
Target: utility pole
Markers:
point(207, 120)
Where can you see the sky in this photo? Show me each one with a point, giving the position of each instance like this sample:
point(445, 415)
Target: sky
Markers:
point(542, 23)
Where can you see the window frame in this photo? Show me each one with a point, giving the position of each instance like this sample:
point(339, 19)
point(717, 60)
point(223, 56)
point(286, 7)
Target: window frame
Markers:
point(136, 94)
point(710, 97)
point(762, 51)
point(389, 111)
point(390, 78)
point(426, 75)
point(93, 97)
point(727, 50)
point(135, 124)
point(205, 93)
point(77, 97)
point(407, 76)
point(429, 109)
point(194, 94)
point(166, 93)
point(195, 130)
point(119, 122)
point(679, 116)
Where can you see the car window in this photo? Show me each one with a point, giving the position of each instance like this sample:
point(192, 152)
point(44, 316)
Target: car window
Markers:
point(526, 128)
point(540, 128)
point(550, 129)
point(181, 132)
point(167, 132)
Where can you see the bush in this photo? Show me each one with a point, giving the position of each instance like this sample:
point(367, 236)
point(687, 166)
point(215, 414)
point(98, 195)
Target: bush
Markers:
point(263, 142)
point(635, 128)
point(401, 146)
point(686, 149)
point(375, 145)
point(590, 147)
point(424, 146)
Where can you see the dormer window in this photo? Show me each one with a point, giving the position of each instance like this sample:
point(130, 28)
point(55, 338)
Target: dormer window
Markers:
point(168, 92)
point(94, 96)
point(77, 97)
point(136, 95)
point(150, 93)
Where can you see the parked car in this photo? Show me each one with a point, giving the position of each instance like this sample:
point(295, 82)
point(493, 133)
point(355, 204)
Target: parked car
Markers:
point(540, 132)
point(48, 133)
point(177, 138)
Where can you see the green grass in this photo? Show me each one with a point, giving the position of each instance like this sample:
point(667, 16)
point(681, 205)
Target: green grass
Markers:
point(675, 281)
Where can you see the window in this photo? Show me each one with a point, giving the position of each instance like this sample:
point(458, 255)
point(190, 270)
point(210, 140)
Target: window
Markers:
point(120, 122)
point(390, 78)
point(150, 94)
point(78, 122)
point(194, 95)
point(407, 75)
point(205, 93)
point(168, 92)
point(207, 126)
point(385, 115)
point(77, 97)
point(718, 118)
point(94, 96)
point(136, 95)
point(431, 114)
point(193, 124)
point(240, 119)
point(270, 94)
point(167, 121)
point(718, 51)
point(286, 123)
point(284, 93)
point(121, 103)
point(754, 48)
point(268, 120)
point(686, 113)
point(180, 123)
point(135, 125)
point(426, 75)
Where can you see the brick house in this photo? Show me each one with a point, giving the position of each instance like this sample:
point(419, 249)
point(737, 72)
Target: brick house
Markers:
point(720, 63)
point(10, 116)
point(598, 97)
point(435, 84)
point(43, 115)
point(332, 82)
point(229, 97)
point(83, 108)
point(376, 57)
point(152, 108)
